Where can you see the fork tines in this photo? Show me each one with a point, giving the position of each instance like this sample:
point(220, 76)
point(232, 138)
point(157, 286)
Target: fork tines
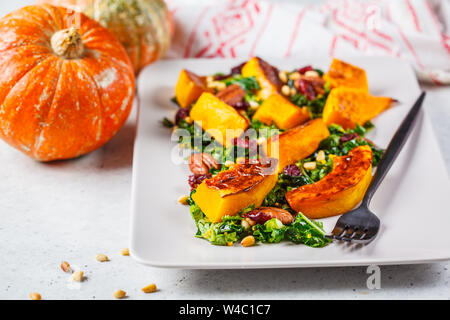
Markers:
point(348, 233)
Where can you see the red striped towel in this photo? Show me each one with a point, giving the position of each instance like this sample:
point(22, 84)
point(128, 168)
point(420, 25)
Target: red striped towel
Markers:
point(416, 30)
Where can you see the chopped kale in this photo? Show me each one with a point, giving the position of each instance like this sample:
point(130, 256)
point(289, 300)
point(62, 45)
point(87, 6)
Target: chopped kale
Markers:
point(223, 233)
point(249, 84)
point(271, 231)
point(341, 141)
point(306, 231)
point(275, 198)
point(315, 107)
point(167, 123)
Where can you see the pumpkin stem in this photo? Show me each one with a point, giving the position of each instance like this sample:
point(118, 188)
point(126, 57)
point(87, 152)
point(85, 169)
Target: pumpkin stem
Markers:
point(68, 44)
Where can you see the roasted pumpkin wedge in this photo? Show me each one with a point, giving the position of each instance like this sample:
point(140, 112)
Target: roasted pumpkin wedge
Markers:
point(347, 107)
point(343, 74)
point(217, 118)
point(296, 143)
point(279, 110)
point(266, 75)
point(232, 190)
point(340, 191)
point(189, 87)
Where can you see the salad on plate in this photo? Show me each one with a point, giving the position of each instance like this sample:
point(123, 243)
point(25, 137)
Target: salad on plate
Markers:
point(272, 151)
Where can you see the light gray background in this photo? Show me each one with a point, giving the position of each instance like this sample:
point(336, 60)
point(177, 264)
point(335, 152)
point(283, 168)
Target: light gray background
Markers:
point(75, 209)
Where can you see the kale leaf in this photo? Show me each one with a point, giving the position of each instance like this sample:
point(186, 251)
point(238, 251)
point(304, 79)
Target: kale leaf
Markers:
point(249, 84)
point(272, 231)
point(306, 231)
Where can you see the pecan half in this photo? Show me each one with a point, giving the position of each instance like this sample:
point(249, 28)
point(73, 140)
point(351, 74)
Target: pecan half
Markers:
point(270, 72)
point(201, 163)
point(263, 214)
point(232, 95)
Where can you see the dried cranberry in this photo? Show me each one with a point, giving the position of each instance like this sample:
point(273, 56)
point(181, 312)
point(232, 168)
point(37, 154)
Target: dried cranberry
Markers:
point(237, 69)
point(245, 143)
point(306, 88)
point(220, 77)
point(182, 113)
point(347, 137)
point(196, 179)
point(260, 217)
point(292, 170)
point(263, 214)
point(234, 71)
point(241, 105)
point(304, 69)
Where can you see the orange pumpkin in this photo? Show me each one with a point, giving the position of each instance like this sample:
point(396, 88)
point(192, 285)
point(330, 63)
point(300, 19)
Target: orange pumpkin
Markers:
point(64, 91)
point(295, 144)
point(343, 74)
point(348, 106)
point(144, 27)
point(340, 191)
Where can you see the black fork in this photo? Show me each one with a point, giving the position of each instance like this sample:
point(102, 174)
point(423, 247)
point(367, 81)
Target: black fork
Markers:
point(361, 225)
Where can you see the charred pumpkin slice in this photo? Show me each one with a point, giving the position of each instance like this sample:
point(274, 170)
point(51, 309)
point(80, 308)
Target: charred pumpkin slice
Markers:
point(189, 87)
point(347, 107)
point(343, 74)
point(266, 75)
point(296, 143)
point(282, 112)
point(232, 190)
point(340, 191)
point(217, 118)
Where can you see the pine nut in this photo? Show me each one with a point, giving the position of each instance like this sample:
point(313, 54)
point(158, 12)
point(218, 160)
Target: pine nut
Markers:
point(320, 156)
point(119, 294)
point(253, 104)
point(250, 222)
point(35, 296)
point(293, 92)
point(65, 266)
point(248, 241)
point(283, 76)
point(125, 252)
point(245, 224)
point(286, 90)
point(310, 165)
point(261, 140)
point(294, 76)
point(78, 276)
point(312, 74)
point(216, 85)
point(150, 288)
point(101, 257)
point(228, 163)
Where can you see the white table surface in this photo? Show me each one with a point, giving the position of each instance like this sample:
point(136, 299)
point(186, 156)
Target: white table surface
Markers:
point(73, 210)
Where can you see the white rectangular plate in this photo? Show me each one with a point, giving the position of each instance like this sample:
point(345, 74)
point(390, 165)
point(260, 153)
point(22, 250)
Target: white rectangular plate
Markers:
point(412, 201)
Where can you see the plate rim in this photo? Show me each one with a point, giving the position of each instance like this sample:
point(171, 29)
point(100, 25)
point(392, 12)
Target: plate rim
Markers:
point(265, 264)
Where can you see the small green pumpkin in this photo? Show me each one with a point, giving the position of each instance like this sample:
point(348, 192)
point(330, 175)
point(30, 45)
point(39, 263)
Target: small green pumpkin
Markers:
point(142, 26)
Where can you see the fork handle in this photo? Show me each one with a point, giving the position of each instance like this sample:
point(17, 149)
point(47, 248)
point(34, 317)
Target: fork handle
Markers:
point(392, 151)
